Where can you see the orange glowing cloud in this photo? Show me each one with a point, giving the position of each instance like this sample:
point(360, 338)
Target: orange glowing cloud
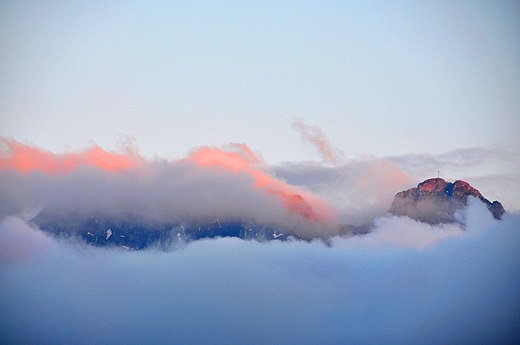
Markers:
point(242, 159)
point(239, 159)
point(27, 158)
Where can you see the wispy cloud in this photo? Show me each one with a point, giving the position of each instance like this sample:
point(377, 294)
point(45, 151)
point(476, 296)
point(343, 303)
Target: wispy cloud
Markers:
point(360, 189)
point(315, 136)
point(454, 162)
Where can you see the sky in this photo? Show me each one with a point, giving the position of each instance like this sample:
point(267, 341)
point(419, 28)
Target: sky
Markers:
point(379, 79)
point(303, 115)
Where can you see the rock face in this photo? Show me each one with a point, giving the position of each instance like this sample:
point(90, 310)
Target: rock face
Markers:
point(102, 231)
point(130, 233)
point(436, 201)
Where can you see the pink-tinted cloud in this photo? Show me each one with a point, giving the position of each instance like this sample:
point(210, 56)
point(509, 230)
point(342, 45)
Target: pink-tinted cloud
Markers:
point(211, 182)
point(315, 136)
point(27, 158)
point(295, 199)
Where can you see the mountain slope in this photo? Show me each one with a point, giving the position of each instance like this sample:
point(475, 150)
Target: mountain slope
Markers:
point(436, 201)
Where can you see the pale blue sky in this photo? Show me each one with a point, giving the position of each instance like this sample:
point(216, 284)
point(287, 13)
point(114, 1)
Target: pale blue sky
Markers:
point(378, 78)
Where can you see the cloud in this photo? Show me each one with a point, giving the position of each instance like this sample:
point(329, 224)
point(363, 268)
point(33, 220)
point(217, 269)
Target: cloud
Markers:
point(315, 136)
point(26, 158)
point(227, 183)
point(403, 231)
point(20, 241)
point(474, 160)
point(210, 183)
point(405, 283)
point(360, 189)
point(458, 288)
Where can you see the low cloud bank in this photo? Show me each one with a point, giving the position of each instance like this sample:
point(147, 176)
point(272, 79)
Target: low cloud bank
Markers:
point(228, 184)
point(405, 283)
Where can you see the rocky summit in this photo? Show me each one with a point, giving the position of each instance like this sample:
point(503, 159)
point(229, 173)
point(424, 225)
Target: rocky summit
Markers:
point(436, 201)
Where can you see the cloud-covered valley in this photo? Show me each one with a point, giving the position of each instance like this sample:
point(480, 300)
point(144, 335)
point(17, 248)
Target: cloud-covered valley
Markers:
point(459, 288)
point(405, 282)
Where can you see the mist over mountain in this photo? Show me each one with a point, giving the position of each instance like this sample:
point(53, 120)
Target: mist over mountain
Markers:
point(235, 251)
point(124, 200)
point(406, 282)
point(132, 233)
point(433, 201)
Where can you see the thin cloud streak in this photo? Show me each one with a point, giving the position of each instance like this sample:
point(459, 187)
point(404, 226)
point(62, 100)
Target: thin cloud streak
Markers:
point(315, 136)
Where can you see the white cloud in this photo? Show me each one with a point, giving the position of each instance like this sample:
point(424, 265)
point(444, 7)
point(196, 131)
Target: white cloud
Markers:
point(455, 289)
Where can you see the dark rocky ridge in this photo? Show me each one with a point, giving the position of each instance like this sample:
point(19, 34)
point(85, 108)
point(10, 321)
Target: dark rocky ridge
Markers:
point(130, 233)
point(436, 201)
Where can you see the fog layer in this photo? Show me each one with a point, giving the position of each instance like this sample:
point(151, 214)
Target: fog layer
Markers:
point(405, 283)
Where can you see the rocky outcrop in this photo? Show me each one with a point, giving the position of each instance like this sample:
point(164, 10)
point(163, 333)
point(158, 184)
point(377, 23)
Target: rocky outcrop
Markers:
point(101, 230)
point(131, 233)
point(436, 201)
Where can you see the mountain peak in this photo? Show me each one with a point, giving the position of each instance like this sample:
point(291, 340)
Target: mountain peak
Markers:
point(436, 201)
